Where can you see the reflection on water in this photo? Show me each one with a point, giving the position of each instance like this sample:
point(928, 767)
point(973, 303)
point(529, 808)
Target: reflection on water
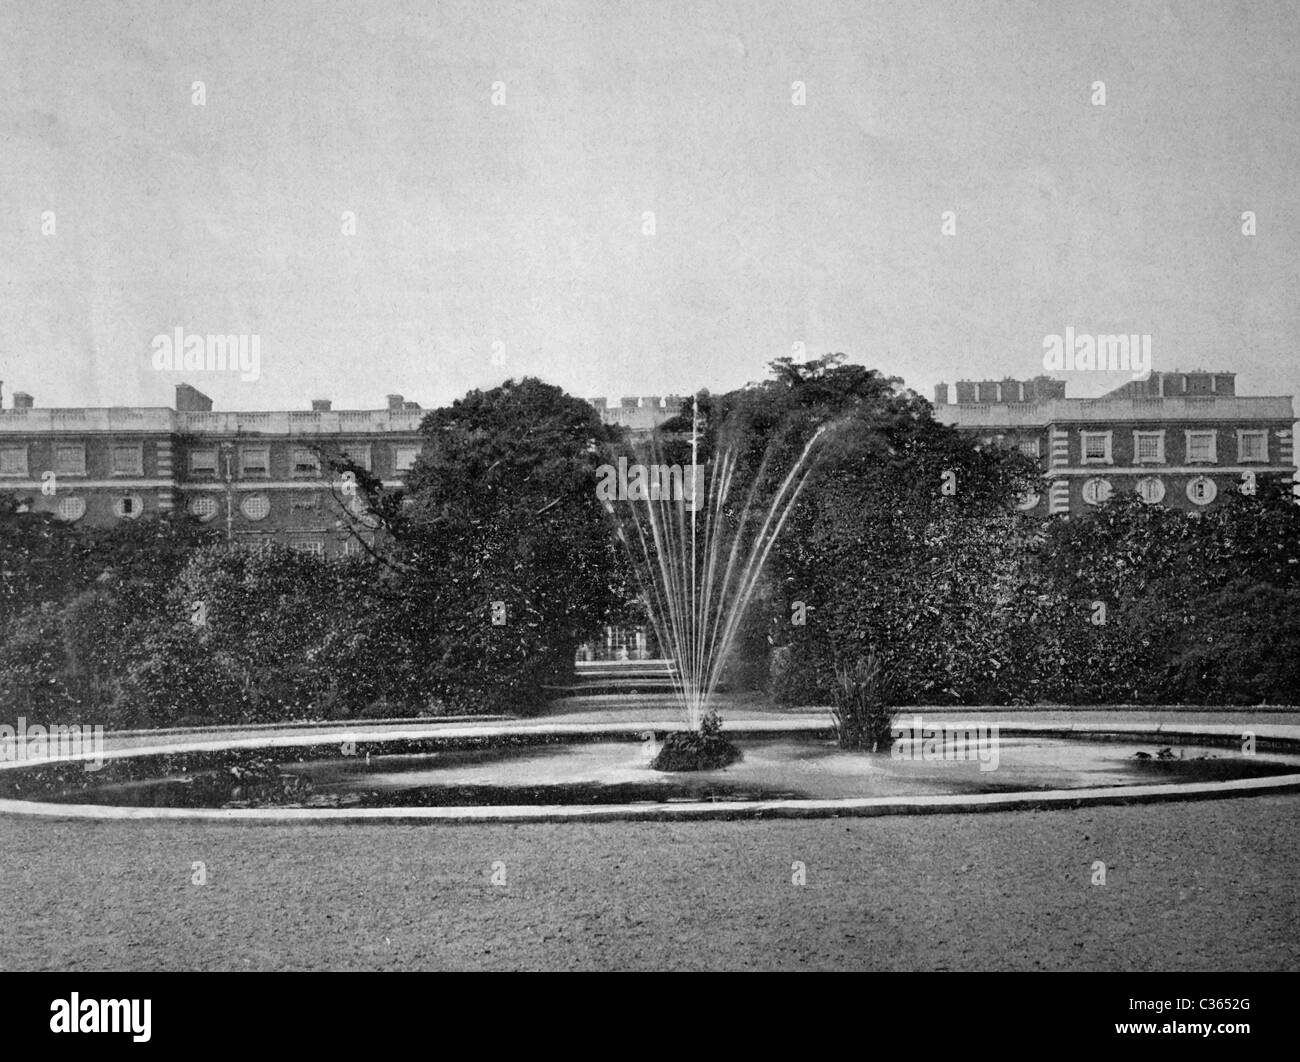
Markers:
point(614, 772)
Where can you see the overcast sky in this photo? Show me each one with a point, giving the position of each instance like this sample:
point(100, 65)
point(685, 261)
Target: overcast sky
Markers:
point(523, 225)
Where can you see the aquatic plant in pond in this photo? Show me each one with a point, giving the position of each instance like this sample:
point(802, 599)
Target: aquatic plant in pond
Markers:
point(863, 717)
point(698, 561)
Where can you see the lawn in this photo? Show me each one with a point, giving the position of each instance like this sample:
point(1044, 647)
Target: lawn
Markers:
point(1201, 885)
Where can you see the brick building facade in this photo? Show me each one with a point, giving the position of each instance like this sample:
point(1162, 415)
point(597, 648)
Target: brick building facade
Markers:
point(1177, 438)
point(1180, 439)
point(258, 475)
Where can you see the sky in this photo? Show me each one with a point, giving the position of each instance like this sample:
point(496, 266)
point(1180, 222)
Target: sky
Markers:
point(625, 198)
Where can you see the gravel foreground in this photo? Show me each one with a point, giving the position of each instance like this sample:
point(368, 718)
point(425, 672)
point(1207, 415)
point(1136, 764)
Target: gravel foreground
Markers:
point(1206, 885)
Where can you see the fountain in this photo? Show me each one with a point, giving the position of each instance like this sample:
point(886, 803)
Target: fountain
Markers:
point(696, 583)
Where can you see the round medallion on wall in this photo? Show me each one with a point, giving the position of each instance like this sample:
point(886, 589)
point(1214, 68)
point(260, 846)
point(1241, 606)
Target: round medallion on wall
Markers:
point(1151, 489)
point(1096, 491)
point(71, 509)
point(1201, 490)
point(1028, 500)
point(204, 508)
point(255, 506)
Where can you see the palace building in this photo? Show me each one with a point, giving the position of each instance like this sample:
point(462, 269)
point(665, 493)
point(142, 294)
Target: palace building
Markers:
point(639, 415)
point(260, 476)
point(1176, 438)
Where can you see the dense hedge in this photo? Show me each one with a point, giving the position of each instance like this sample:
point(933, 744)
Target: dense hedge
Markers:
point(490, 569)
point(906, 542)
point(1131, 604)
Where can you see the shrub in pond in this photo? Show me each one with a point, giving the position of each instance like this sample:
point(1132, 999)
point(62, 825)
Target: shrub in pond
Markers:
point(697, 750)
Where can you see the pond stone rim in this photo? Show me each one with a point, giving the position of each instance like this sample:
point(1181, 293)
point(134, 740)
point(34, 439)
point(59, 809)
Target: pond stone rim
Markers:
point(1270, 736)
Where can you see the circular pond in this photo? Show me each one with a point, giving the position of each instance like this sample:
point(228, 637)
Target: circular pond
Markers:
point(340, 774)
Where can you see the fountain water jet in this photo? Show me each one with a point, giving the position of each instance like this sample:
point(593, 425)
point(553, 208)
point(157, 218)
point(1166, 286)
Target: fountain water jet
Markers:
point(695, 599)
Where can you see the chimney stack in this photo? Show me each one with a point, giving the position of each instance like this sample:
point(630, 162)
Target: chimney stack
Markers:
point(941, 394)
point(395, 403)
point(22, 400)
point(191, 400)
point(320, 405)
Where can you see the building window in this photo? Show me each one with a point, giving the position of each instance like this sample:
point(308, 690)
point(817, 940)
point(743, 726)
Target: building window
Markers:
point(203, 462)
point(1200, 446)
point(1030, 448)
point(13, 461)
point(70, 459)
point(1095, 447)
point(128, 507)
point(305, 462)
point(305, 501)
point(255, 461)
point(1151, 489)
point(1252, 446)
point(1148, 448)
point(204, 508)
point(128, 460)
point(404, 457)
point(352, 547)
point(1202, 490)
point(1096, 491)
point(358, 455)
point(308, 545)
point(72, 509)
point(256, 506)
